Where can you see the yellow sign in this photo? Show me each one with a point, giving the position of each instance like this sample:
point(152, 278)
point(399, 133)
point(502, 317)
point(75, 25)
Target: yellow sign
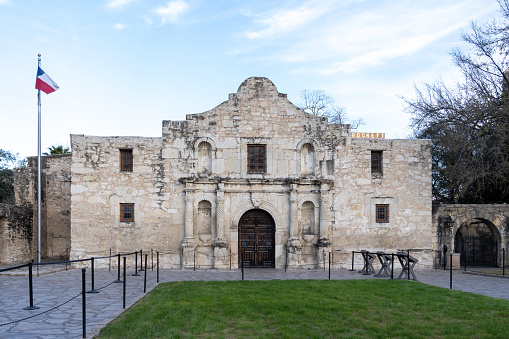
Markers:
point(368, 135)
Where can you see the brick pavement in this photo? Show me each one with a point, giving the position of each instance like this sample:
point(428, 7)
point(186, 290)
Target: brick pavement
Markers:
point(65, 321)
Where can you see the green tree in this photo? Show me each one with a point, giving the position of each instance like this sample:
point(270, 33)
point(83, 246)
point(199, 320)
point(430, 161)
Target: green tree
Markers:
point(7, 160)
point(468, 122)
point(58, 149)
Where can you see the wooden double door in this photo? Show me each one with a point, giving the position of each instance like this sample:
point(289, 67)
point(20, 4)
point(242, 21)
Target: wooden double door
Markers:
point(256, 239)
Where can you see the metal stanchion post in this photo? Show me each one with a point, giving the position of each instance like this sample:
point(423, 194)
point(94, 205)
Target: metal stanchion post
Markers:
point(230, 249)
point(329, 265)
point(118, 269)
point(158, 267)
point(30, 288)
point(392, 266)
point(93, 279)
point(242, 264)
point(152, 255)
point(84, 304)
point(194, 259)
point(286, 259)
point(145, 282)
point(450, 277)
point(136, 264)
point(141, 261)
point(353, 255)
point(125, 278)
point(445, 255)
point(109, 265)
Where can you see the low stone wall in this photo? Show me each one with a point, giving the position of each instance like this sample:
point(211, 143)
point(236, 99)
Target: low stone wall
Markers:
point(16, 236)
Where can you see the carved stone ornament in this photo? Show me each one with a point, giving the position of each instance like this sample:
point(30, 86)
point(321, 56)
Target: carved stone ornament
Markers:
point(323, 242)
point(256, 199)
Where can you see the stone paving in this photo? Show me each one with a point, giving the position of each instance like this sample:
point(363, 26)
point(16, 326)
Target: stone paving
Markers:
point(57, 288)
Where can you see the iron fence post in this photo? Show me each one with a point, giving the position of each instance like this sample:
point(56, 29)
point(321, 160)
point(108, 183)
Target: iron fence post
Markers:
point(157, 267)
point(124, 280)
point(93, 279)
point(145, 282)
point(84, 303)
point(392, 266)
point(450, 276)
point(135, 265)
point(30, 288)
point(242, 264)
point(141, 261)
point(353, 255)
point(118, 269)
point(329, 265)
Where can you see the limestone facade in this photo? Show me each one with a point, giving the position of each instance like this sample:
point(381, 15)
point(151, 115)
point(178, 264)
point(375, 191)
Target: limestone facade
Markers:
point(192, 190)
point(55, 209)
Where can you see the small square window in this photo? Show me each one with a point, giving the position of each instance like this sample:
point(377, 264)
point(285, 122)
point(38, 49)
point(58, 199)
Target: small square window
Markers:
point(376, 162)
point(382, 213)
point(257, 159)
point(126, 212)
point(126, 160)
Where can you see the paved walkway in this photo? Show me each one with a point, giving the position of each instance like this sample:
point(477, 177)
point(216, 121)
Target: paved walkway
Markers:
point(57, 288)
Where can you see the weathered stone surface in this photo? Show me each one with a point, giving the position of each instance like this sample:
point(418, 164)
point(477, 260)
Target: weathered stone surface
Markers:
point(191, 186)
point(16, 237)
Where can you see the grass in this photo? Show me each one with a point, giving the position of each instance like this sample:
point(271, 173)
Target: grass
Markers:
point(310, 309)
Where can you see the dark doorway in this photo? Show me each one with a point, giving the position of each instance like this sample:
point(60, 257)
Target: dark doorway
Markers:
point(476, 244)
point(256, 239)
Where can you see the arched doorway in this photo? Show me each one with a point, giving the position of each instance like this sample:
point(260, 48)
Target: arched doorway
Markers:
point(256, 239)
point(477, 241)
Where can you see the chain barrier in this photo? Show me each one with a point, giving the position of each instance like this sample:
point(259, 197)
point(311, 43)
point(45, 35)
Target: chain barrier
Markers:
point(38, 314)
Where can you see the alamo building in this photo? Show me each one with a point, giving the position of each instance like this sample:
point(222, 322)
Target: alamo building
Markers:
point(255, 177)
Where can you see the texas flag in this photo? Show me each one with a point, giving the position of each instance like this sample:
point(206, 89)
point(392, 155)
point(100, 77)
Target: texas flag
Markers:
point(44, 82)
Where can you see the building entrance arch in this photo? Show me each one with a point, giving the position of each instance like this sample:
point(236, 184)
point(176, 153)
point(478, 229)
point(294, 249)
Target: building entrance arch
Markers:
point(478, 241)
point(257, 239)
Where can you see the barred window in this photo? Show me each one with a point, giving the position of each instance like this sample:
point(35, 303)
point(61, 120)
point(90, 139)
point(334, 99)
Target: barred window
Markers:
point(126, 160)
point(257, 159)
point(376, 161)
point(382, 213)
point(126, 212)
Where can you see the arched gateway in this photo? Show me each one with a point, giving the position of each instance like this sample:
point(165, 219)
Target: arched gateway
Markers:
point(257, 239)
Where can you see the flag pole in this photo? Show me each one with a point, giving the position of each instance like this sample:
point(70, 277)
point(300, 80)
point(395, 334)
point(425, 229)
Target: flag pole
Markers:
point(39, 170)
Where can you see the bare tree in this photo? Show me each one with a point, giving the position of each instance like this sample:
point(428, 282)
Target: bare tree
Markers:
point(468, 122)
point(319, 103)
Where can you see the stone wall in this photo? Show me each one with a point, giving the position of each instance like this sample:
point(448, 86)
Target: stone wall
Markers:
point(191, 187)
point(495, 217)
point(55, 202)
point(16, 236)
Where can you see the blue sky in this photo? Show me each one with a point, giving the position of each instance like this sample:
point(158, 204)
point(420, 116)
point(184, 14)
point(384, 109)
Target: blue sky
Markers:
point(123, 66)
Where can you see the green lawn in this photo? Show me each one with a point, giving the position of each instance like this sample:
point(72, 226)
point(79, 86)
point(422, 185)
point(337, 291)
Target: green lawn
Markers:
point(311, 309)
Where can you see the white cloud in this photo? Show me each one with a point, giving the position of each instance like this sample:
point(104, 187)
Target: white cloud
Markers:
point(348, 37)
point(118, 3)
point(171, 12)
point(285, 21)
point(119, 26)
point(4, 2)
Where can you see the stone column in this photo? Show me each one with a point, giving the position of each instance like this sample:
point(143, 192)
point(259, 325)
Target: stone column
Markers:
point(324, 213)
point(221, 259)
point(294, 248)
point(323, 241)
point(189, 243)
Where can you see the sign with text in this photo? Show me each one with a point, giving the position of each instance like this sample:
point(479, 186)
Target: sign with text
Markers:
point(367, 135)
